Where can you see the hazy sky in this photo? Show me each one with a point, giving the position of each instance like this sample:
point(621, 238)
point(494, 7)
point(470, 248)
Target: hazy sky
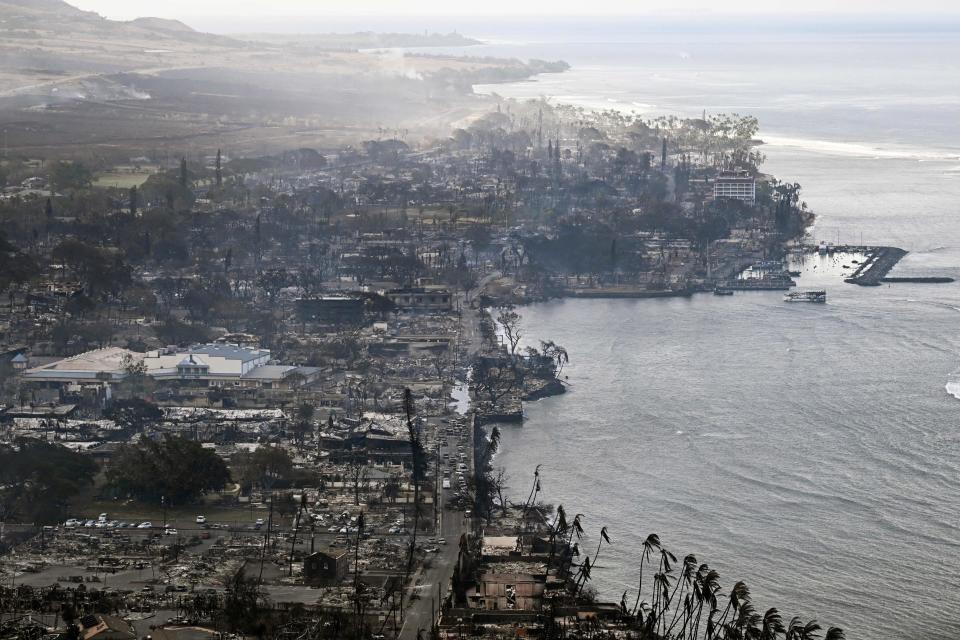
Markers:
point(126, 9)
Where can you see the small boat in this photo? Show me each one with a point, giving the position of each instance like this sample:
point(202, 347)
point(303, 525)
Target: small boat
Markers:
point(793, 274)
point(720, 291)
point(806, 296)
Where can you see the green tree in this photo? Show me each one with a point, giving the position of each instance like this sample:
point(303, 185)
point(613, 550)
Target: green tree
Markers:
point(38, 479)
point(175, 468)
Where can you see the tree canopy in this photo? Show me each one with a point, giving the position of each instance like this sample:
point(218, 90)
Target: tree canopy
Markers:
point(38, 479)
point(174, 468)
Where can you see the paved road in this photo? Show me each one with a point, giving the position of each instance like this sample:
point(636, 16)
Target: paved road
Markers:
point(435, 581)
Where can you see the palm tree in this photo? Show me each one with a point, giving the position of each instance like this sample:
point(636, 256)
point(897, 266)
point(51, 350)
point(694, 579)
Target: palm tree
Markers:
point(493, 445)
point(582, 575)
point(709, 587)
point(834, 633)
point(772, 625)
point(739, 595)
point(652, 542)
point(558, 528)
point(794, 629)
point(603, 537)
point(809, 630)
point(686, 579)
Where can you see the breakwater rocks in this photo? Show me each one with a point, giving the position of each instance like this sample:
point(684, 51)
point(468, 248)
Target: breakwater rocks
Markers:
point(921, 280)
point(879, 262)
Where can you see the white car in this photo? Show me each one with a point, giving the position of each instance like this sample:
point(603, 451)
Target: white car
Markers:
point(170, 532)
point(145, 525)
point(201, 519)
point(259, 522)
point(71, 523)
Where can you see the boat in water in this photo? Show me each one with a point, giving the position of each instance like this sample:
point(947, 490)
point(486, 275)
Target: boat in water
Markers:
point(720, 291)
point(806, 296)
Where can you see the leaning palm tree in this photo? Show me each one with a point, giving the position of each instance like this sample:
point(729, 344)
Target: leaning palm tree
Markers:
point(739, 595)
point(794, 629)
point(493, 444)
point(686, 580)
point(582, 575)
point(652, 542)
point(709, 587)
point(834, 633)
point(557, 529)
point(809, 630)
point(603, 538)
point(772, 625)
point(661, 594)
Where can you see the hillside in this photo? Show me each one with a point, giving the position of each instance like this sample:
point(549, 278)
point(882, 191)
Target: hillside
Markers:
point(74, 82)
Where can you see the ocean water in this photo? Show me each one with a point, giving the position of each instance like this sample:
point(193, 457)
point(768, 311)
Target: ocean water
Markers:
point(812, 451)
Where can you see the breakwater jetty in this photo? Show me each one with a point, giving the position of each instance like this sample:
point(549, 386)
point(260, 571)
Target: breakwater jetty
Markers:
point(921, 280)
point(879, 262)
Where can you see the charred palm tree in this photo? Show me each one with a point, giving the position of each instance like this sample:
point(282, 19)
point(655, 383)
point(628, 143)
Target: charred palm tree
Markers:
point(834, 633)
point(652, 542)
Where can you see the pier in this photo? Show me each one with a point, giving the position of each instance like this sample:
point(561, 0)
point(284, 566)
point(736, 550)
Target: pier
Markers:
point(879, 262)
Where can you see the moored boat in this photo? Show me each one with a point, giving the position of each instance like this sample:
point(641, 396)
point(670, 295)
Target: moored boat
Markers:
point(806, 296)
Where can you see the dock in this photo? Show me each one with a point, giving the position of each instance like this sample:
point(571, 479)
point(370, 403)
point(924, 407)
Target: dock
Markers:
point(879, 262)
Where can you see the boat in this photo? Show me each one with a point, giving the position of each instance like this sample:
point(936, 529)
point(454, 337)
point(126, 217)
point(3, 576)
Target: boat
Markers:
point(766, 283)
point(806, 296)
point(720, 291)
point(767, 264)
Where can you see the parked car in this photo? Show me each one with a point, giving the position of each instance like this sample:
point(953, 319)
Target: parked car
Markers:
point(145, 525)
point(201, 520)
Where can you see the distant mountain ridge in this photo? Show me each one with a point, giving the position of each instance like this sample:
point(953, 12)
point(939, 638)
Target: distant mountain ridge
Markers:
point(163, 24)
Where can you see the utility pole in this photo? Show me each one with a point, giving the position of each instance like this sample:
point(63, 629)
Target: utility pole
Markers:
point(266, 541)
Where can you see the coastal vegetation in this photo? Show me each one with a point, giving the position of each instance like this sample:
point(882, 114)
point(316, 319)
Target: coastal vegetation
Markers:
point(673, 600)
